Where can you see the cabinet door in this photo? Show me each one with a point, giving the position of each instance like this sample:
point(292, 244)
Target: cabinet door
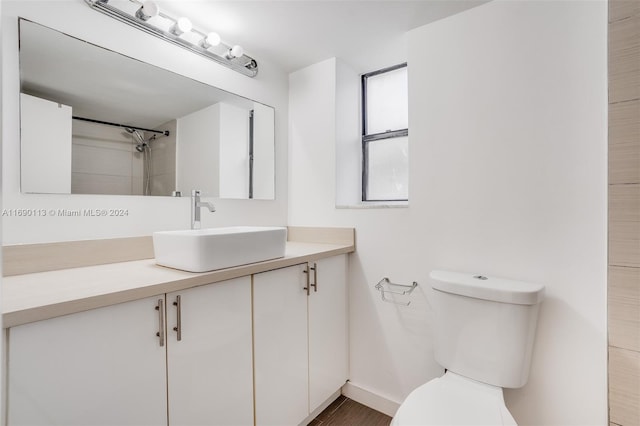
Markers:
point(100, 367)
point(210, 370)
point(328, 352)
point(280, 346)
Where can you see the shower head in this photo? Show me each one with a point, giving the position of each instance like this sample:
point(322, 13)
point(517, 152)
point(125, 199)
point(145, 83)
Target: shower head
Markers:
point(136, 135)
point(140, 147)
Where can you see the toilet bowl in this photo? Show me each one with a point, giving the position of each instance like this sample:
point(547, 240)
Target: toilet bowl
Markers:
point(454, 400)
point(484, 335)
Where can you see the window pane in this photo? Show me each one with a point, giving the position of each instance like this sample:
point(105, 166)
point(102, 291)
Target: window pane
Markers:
point(387, 104)
point(388, 167)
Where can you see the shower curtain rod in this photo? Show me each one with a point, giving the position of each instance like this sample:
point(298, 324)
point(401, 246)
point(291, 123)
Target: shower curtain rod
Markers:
point(162, 132)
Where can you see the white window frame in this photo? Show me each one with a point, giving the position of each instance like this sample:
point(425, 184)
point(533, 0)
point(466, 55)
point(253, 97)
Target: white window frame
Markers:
point(366, 138)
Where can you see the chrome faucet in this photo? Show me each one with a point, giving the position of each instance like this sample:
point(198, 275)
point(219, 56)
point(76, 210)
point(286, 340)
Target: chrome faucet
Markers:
point(196, 205)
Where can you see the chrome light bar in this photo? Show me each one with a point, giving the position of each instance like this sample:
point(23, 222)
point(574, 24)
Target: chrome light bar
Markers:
point(243, 64)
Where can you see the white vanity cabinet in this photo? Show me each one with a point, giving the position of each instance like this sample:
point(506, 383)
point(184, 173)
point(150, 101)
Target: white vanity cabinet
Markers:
point(210, 369)
point(328, 338)
point(300, 339)
point(262, 349)
point(115, 366)
point(280, 346)
point(99, 367)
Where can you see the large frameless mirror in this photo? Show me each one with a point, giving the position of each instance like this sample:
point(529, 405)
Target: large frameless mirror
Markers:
point(94, 121)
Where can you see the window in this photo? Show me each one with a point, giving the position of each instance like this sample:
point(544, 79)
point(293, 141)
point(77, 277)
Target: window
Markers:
point(385, 147)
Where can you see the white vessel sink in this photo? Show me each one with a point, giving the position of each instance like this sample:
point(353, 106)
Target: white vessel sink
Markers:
point(202, 250)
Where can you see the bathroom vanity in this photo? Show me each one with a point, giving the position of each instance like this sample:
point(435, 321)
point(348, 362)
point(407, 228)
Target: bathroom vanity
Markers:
point(136, 343)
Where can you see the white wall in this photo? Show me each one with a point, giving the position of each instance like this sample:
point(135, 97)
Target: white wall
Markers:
point(46, 131)
point(146, 214)
point(234, 151)
point(264, 162)
point(507, 139)
point(348, 135)
point(198, 152)
point(213, 151)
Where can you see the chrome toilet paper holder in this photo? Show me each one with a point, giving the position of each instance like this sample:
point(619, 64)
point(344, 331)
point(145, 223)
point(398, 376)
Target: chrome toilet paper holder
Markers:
point(393, 288)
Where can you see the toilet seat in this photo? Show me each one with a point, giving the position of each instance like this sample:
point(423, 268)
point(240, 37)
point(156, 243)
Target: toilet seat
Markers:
point(454, 400)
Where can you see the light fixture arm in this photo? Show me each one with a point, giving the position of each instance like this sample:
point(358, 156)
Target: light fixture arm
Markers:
point(243, 64)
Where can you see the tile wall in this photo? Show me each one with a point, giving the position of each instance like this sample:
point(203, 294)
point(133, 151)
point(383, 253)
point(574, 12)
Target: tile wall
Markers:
point(624, 212)
point(104, 161)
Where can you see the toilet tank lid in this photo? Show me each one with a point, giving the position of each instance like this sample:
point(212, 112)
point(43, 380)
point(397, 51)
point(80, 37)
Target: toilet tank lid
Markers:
point(488, 288)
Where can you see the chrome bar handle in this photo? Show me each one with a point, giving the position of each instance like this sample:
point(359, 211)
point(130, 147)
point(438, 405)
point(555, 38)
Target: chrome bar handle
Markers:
point(178, 327)
point(308, 287)
point(315, 277)
point(160, 309)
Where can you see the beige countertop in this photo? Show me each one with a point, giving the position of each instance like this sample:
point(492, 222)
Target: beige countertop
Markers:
point(42, 295)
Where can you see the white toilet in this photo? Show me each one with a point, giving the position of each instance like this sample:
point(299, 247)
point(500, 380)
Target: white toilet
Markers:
point(484, 332)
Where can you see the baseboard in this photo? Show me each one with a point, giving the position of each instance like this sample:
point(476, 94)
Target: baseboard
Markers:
point(370, 399)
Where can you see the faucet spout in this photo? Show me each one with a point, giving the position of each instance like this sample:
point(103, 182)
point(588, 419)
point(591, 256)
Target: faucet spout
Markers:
point(196, 205)
point(209, 206)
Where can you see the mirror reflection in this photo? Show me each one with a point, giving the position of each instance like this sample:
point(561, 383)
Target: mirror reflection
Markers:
point(97, 122)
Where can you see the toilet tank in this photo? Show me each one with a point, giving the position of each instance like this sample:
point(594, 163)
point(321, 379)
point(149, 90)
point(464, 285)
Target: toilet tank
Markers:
point(485, 326)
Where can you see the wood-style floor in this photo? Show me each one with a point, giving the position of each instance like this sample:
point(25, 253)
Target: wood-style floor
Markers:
point(346, 412)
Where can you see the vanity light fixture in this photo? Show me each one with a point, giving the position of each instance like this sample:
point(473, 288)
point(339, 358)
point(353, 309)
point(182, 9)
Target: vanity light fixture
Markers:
point(181, 26)
point(235, 52)
point(179, 32)
point(212, 39)
point(147, 11)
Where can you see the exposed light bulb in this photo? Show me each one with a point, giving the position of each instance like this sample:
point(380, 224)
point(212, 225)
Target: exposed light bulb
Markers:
point(235, 52)
point(212, 39)
point(182, 25)
point(147, 11)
